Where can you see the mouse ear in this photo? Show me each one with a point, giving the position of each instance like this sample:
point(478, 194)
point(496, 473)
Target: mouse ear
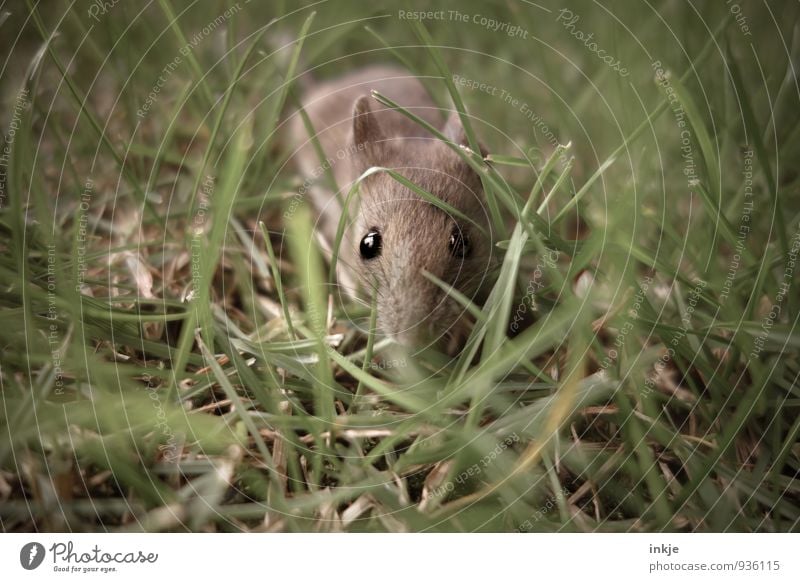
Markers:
point(454, 131)
point(366, 129)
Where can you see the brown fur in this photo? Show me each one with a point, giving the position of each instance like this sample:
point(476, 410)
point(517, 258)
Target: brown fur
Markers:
point(415, 233)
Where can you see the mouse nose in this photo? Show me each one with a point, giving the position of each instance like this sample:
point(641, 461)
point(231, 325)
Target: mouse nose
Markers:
point(406, 315)
point(408, 298)
point(406, 338)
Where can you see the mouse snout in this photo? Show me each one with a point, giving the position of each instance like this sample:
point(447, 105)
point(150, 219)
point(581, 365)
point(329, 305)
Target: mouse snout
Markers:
point(407, 302)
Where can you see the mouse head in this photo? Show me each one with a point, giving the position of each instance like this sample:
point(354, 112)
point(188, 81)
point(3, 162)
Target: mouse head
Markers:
point(399, 235)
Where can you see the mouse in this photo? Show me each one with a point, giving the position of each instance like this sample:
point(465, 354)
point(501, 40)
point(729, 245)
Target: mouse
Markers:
point(392, 235)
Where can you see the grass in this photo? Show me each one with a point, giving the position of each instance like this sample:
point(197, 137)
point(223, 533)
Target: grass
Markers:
point(172, 357)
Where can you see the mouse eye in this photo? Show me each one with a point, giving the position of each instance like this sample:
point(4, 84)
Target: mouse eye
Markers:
point(370, 246)
point(459, 243)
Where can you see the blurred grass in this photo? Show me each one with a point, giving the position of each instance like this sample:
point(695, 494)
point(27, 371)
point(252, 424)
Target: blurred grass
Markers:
point(164, 367)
